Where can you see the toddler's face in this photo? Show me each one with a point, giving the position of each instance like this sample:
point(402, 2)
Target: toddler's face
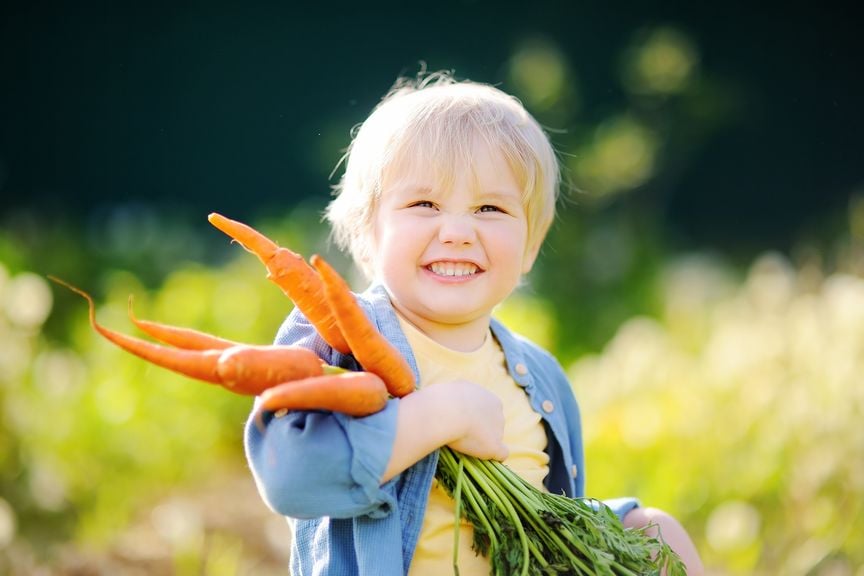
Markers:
point(448, 257)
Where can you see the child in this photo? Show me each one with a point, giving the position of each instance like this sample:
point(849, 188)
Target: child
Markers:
point(448, 192)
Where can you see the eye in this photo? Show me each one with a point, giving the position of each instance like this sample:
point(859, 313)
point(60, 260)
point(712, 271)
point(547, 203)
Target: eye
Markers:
point(490, 208)
point(421, 204)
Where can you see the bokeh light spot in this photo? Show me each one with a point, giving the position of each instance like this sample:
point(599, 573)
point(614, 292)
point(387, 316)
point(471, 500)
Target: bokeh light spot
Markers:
point(7, 523)
point(620, 157)
point(59, 372)
point(47, 485)
point(538, 72)
point(15, 353)
point(27, 300)
point(732, 525)
point(661, 61)
point(178, 521)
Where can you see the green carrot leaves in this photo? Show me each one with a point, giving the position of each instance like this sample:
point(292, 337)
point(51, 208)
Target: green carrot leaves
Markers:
point(528, 532)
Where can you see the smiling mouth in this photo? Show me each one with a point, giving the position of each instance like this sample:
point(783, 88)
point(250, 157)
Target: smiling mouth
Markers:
point(453, 269)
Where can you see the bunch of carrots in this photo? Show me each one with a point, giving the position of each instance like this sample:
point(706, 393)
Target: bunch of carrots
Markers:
point(285, 377)
point(521, 529)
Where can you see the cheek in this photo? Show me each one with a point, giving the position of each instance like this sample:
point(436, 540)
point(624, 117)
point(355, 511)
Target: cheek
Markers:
point(392, 250)
point(511, 242)
point(383, 235)
point(387, 227)
point(512, 248)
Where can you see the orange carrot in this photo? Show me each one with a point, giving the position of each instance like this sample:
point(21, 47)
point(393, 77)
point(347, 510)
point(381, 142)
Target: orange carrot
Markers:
point(185, 338)
point(253, 369)
point(240, 368)
point(193, 363)
point(291, 273)
point(367, 345)
point(352, 393)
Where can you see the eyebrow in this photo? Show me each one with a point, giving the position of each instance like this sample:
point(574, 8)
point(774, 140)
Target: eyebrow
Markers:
point(425, 191)
point(417, 189)
point(411, 189)
point(500, 196)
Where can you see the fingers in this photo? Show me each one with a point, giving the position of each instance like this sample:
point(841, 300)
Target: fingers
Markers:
point(482, 448)
point(483, 421)
point(503, 453)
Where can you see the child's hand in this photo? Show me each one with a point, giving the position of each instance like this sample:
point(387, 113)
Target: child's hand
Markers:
point(482, 418)
point(459, 414)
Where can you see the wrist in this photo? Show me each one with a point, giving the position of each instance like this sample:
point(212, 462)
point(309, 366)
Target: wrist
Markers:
point(426, 421)
point(437, 412)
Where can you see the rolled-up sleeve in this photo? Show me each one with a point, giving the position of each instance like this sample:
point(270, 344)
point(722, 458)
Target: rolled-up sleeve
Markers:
point(308, 464)
point(621, 506)
point(311, 464)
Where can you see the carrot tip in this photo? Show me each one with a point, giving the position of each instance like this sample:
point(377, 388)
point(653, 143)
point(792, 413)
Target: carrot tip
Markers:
point(73, 288)
point(249, 238)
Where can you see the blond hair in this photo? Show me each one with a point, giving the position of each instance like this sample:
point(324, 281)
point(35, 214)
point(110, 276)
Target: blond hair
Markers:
point(439, 120)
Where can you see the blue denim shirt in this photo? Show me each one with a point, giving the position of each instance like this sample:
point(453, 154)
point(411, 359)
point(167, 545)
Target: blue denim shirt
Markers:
point(322, 470)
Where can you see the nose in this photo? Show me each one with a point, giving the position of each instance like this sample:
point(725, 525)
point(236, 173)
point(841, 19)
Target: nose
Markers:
point(457, 230)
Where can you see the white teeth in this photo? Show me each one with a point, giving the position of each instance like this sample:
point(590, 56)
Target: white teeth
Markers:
point(453, 268)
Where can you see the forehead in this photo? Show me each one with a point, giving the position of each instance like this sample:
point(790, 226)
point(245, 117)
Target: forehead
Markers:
point(478, 164)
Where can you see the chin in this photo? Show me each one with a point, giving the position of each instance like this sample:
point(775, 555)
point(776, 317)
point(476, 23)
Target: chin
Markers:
point(454, 314)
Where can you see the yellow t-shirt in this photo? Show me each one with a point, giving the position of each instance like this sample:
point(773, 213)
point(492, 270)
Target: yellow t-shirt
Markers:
point(523, 434)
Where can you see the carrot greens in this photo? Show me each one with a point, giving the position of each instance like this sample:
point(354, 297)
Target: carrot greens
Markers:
point(525, 531)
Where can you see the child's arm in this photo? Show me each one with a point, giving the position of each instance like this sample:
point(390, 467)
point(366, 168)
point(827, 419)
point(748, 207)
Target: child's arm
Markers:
point(311, 464)
point(657, 522)
point(463, 415)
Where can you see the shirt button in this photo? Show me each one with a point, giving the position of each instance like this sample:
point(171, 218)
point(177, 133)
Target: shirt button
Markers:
point(548, 406)
point(574, 471)
point(521, 369)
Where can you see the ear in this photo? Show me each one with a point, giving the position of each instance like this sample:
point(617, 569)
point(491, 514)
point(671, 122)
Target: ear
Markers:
point(530, 257)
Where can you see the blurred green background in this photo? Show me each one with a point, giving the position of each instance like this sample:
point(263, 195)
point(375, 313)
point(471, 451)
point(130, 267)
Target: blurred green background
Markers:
point(703, 285)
